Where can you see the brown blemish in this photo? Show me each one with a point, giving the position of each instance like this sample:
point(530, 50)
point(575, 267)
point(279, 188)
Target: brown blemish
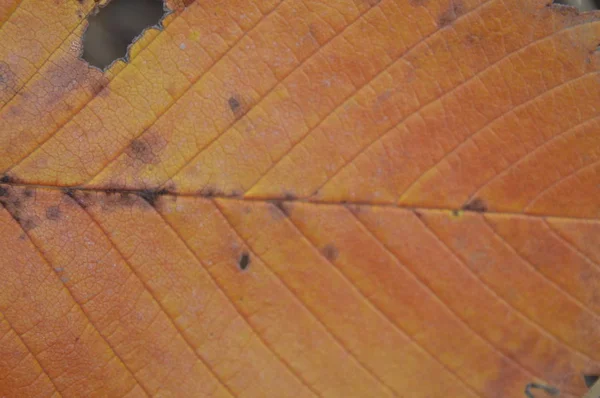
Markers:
point(151, 195)
point(208, 191)
point(476, 204)
point(330, 252)
point(6, 179)
point(450, 14)
point(472, 39)
point(97, 86)
point(53, 213)
point(7, 78)
point(140, 150)
point(234, 104)
point(279, 209)
point(15, 201)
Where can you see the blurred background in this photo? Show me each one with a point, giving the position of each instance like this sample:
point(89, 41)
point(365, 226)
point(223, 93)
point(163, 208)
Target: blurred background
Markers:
point(115, 26)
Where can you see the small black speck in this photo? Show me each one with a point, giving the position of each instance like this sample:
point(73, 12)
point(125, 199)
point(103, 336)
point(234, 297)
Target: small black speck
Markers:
point(234, 104)
point(6, 179)
point(244, 261)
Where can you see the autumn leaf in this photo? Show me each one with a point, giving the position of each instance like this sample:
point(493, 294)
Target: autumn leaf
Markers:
point(302, 198)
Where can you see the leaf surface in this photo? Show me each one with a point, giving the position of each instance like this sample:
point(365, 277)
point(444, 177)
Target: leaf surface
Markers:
point(302, 198)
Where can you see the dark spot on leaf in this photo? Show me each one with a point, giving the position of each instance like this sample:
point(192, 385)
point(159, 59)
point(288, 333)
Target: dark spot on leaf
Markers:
point(552, 391)
point(13, 199)
point(5, 179)
point(53, 213)
point(208, 191)
point(98, 86)
point(289, 196)
point(7, 78)
point(279, 209)
point(451, 13)
point(476, 204)
point(28, 192)
point(151, 196)
point(244, 261)
point(330, 252)
point(234, 104)
point(590, 380)
point(69, 192)
point(143, 151)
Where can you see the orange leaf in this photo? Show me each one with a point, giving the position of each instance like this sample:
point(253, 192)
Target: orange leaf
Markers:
point(297, 198)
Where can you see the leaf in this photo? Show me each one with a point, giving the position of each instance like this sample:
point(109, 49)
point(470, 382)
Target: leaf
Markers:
point(295, 198)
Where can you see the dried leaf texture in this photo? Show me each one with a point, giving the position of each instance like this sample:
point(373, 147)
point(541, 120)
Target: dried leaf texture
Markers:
point(301, 198)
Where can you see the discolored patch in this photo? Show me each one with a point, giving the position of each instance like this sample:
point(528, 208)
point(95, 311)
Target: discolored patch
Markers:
point(7, 78)
point(476, 204)
point(140, 150)
point(209, 191)
point(234, 104)
point(6, 179)
point(244, 261)
point(330, 252)
point(53, 213)
point(15, 201)
point(451, 13)
point(151, 196)
point(279, 209)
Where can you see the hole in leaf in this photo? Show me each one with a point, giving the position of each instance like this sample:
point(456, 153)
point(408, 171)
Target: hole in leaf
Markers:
point(590, 380)
point(548, 390)
point(114, 27)
point(581, 5)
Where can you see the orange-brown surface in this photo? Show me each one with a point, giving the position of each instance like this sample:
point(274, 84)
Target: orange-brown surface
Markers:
point(288, 198)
